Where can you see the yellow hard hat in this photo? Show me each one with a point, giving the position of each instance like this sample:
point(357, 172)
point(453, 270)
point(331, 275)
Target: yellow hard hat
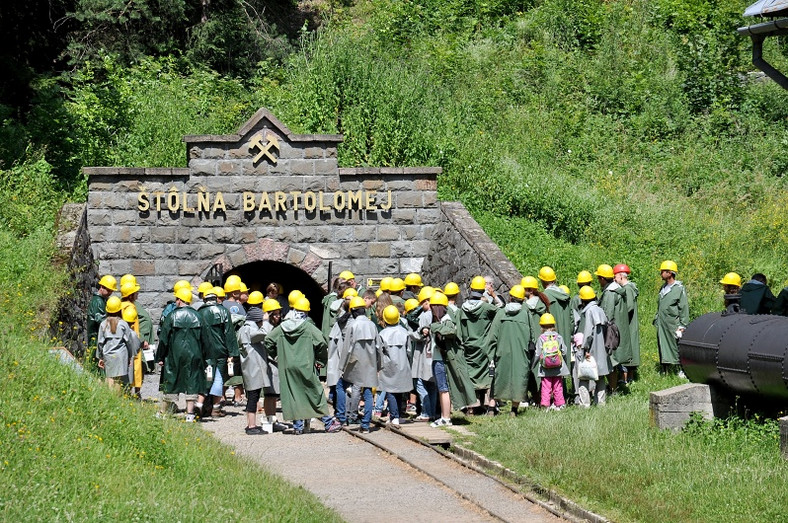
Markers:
point(546, 319)
point(587, 293)
point(127, 278)
point(349, 293)
point(605, 271)
point(128, 288)
point(181, 284)
point(413, 280)
point(425, 293)
point(109, 282)
point(184, 294)
point(478, 283)
point(293, 296)
point(669, 265)
point(385, 283)
point(451, 289)
point(438, 298)
point(232, 283)
point(378, 293)
point(564, 288)
point(411, 304)
point(731, 279)
point(129, 314)
point(529, 282)
point(517, 292)
point(584, 277)
point(271, 304)
point(255, 298)
point(397, 285)
point(219, 292)
point(391, 315)
point(244, 288)
point(113, 304)
point(347, 275)
point(302, 304)
point(356, 302)
point(546, 274)
point(204, 287)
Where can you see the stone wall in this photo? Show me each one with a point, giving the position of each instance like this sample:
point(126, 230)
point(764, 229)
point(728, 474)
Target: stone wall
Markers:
point(69, 327)
point(461, 250)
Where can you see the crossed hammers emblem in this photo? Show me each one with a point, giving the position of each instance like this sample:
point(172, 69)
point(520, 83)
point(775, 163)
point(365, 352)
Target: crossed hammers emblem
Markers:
point(264, 148)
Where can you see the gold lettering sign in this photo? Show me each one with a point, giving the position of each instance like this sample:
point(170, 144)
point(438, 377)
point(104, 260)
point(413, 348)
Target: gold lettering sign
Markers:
point(276, 202)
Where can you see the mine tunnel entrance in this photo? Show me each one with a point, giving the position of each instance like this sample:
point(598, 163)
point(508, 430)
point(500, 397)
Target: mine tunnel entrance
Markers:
point(259, 274)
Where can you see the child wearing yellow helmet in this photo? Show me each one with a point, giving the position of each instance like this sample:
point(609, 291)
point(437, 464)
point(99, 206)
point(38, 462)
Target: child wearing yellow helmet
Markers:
point(117, 344)
point(551, 357)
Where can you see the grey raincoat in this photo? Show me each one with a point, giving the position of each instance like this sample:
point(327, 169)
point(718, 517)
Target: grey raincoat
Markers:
point(259, 371)
point(362, 365)
point(394, 346)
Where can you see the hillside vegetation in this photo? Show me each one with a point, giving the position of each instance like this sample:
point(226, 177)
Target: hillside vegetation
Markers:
point(577, 132)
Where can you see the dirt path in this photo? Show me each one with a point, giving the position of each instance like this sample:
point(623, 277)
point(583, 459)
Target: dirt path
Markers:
point(364, 483)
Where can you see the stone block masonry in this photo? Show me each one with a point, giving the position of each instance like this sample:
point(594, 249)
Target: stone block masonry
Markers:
point(268, 195)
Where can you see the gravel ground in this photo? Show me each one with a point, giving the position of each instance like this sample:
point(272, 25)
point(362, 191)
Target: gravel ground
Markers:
point(364, 483)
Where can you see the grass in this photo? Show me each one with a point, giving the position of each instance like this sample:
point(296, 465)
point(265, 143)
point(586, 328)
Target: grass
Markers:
point(72, 450)
point(612, 462)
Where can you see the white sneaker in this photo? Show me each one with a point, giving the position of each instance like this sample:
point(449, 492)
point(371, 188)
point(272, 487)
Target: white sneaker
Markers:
point(682, 375)
point(190, 418)
point(441, 422)
point(394, 421)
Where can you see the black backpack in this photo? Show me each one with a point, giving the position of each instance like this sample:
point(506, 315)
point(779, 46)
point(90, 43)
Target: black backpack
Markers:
point(612, 337)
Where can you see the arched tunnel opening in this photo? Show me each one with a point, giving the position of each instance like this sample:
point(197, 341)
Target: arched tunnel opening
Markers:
point(258, 275)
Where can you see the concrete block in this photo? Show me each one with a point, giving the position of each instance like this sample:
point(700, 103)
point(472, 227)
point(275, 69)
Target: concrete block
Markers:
point(379, 250)
point(388, 232)
point(302, 167)
point(364, 232)
point(407, 265)
point(202, 167)
point(223, 234)
point(228, 167)
point(671, 408)
point(408, 199)
point(143, 267)
point(163, 234)
point(325, 166)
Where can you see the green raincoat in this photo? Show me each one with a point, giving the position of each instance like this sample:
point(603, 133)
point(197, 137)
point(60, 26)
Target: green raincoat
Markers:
point(630, 294)
point(329, 313)
point(536, 308)
point(297, 345)
point(181, 349)
point(449, 350)
point(559, 308)
point(475, 318)
point(615, 307)
point(510, 335)
point(672, 313)
point(145, 324)
point(97, 312)
point(220, 339)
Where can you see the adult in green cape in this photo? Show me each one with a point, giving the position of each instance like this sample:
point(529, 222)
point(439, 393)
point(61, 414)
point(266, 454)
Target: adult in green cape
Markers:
point(298, 347)
point(509, 338)
point(672, 316)
point(615, 308)
point(475, 317)
point(449, 361)
point(97, 309)
point(221, 342)
point(629, 291)
point(181, 354)
point(559, 307)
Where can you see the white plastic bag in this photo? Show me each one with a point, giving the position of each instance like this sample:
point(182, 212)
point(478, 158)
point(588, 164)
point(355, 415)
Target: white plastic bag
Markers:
point(587, 369)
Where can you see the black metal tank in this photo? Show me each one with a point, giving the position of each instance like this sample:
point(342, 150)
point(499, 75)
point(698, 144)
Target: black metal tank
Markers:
point(741, 353)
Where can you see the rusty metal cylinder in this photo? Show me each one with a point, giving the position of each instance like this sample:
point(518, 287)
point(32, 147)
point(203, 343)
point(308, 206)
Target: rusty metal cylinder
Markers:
point(744, 354)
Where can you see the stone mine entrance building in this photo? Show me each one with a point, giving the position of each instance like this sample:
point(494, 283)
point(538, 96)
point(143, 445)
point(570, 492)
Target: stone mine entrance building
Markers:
point(270, 206)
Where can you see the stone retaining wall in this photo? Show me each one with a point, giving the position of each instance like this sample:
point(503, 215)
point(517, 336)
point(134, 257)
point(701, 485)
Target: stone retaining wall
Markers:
point(461, 250)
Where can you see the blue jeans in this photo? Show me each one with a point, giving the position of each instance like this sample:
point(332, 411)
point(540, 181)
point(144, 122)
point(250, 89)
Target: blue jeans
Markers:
point(428, 394)
point(380, 400)
point(218, 383)
point(299, 423)
point(340, 401)
point(368, 402)
point(394, 404)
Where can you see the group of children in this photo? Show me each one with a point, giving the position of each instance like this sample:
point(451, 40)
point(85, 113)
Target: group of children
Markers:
point(415, 345)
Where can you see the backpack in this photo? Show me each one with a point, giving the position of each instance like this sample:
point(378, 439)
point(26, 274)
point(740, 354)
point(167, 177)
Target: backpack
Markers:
point(551, 352)
point(612, 337)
